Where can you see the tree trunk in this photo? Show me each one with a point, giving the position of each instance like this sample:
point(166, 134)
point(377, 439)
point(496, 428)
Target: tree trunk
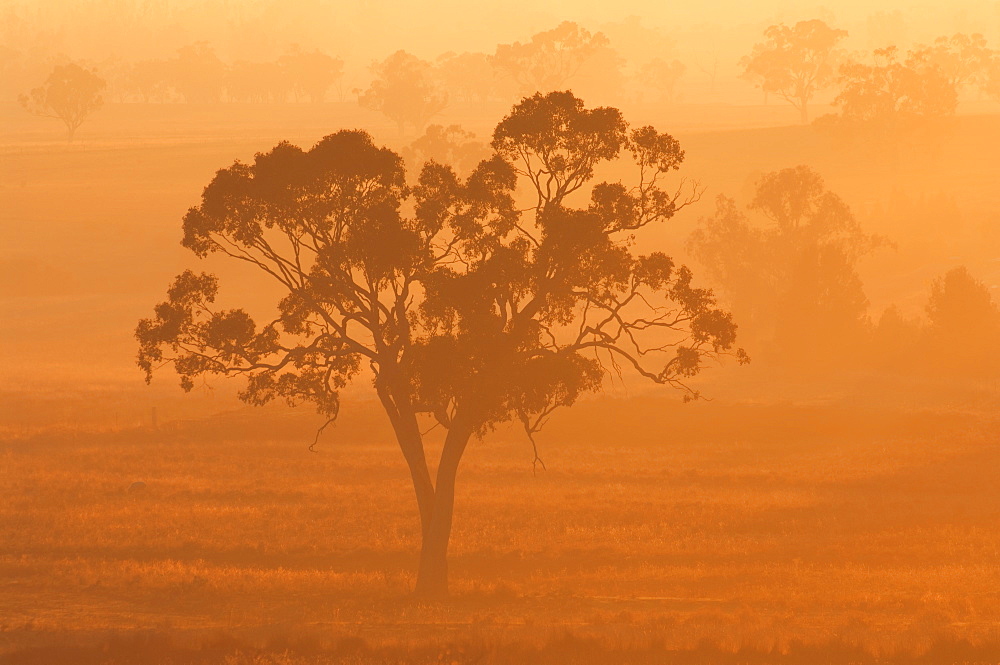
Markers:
point(432, 577)
point(404, 424)
point(804, 112)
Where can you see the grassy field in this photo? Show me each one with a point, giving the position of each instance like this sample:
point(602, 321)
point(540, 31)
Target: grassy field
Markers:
point(797, 519)
point(89, 232)
point(669, 529)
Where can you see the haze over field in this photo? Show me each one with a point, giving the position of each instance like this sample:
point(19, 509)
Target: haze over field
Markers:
point(684, 318)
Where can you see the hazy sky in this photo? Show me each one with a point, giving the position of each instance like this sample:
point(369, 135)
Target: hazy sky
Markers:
point(370, 28)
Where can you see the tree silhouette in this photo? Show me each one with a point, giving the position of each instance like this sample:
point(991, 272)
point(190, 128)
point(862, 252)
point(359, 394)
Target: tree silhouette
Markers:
point(310, 74)
point(888, 93)
point(450, 145)
point(197, 73)
point(962, 59)
point(795, 62)
point(461, 306)
point(662, 76)
point(550, 59)
point(791, 275)
point(405, 91)
point(70, 93)
point(964, 324)
point(470, 75)
point(150, 79)
point(991, 81)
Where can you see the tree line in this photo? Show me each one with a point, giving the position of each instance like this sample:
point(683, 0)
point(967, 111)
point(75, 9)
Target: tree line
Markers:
point(797, 63)
point(787, 264)
point(884, 89)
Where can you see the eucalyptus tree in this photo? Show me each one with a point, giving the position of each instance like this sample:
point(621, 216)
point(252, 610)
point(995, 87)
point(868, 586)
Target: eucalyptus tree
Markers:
point(795, 62)
point(71, 93)
point(464, 307)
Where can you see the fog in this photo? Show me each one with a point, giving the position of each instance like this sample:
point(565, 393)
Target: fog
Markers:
point(689, 315)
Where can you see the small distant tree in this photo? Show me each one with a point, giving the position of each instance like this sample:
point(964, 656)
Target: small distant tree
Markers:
point(446, 145)
point(795, 62)
point(791, 273)
point(991, 82)
point(310, 74)
point(964, 330)
point(896, 341)
point(405, 90)
point(550, 59)
point(463, 307)
point(962, 59)
point(662, 76)
point(70, 93)
point(888, 93)
point(469, 76)
point(197, 73)
point(151, 80)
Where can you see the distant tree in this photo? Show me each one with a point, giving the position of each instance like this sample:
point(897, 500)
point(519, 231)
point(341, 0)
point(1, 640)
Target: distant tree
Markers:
point(151, 80)
point(116, 72)
point(446, 145)
point(70, 93)
point(310, 75)
point(469, 76)
point(198, 74)
point(710, 68)
point(791, 275)
point(462, 306)
point(405, 91)
point(991, 82)
point(964, 330)
point(887, 93)
point(896, 341)
point(795, 62)
point(662, 76)
point(550, 59)
point(962, 59)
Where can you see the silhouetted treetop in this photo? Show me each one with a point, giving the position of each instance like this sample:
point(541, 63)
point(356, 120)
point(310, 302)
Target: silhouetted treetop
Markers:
point(962, 59)
point(461, 305)
point(795, 62)
point(70, 93)
point(888, 93)
point(792, 277)
point(551, 58)
point(405, 90)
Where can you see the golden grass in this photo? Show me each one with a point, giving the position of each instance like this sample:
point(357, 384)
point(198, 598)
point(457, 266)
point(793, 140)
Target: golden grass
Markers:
point(883, 533)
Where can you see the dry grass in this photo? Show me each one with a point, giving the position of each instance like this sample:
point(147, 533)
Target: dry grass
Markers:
point(880, 532)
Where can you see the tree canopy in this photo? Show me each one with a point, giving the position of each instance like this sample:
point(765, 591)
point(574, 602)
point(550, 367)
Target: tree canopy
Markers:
point(887, 93)
point(795, 62)
point(964, 324)
point(70, 93)
point(459, 302)
point(405, 90)
point(791, 273)
point(962, 59)
point(551, 58)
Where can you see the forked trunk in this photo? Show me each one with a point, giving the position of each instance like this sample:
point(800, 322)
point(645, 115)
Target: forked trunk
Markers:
point(432, 576)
